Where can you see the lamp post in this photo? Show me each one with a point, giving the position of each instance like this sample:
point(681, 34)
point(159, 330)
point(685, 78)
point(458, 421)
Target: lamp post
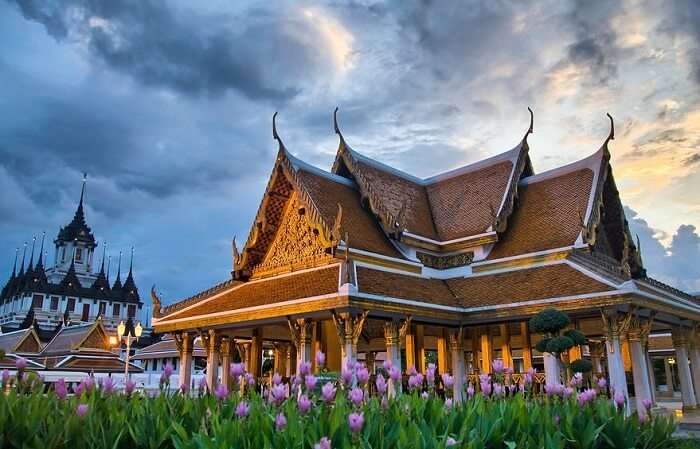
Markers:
point(121, 332)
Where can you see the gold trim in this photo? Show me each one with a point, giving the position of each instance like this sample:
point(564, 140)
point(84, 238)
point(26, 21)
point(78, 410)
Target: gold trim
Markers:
point(522, 262)
point(442, 247)
point(386, 263)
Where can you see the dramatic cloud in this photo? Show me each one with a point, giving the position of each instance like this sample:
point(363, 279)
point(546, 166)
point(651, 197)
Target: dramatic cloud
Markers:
point(167, 106)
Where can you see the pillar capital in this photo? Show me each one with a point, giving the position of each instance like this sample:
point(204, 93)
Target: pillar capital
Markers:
point(211, 340)
point(639, 330)
point(615, 324)
point(395, 330)
point(301, 330)
point(184, 342)
point(349, 326)
point(226, 345)
point(456, 337)
point(681, 337)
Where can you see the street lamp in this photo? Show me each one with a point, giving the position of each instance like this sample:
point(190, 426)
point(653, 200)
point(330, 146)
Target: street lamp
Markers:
point(121, 332)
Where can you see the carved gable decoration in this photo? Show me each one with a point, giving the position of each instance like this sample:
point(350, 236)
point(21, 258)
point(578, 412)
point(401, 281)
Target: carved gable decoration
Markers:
point(445, 262)
point(96, 339)
point(29, 344)
point(296, 242)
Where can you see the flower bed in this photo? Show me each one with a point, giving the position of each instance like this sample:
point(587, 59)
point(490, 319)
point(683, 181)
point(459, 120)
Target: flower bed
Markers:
point(308, 415)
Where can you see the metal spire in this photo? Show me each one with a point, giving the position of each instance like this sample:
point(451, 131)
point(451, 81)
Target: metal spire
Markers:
point(82, 191)
point(104, 251)
point(14, 267)
point(24, 256)
point(31, 258)
point(109, 265)
point(41, 251)
point(131, 262)
point(119, 268)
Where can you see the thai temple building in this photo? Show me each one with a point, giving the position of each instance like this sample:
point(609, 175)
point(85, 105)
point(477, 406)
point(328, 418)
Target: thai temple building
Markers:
point(366, 262)
point(71, 289)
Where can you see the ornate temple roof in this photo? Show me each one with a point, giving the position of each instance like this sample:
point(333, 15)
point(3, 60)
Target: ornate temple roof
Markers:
point(77, 229)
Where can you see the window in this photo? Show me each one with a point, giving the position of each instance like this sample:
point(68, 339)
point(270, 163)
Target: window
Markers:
point(102, 309)
point(116, 308)
point(70, 306)
point(54, 303)
point(78, 255)
point(37, 301)
point(131, 311)
point(63, 254)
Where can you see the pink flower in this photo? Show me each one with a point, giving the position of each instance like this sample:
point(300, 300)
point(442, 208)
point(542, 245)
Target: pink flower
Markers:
point(394, 374)
point(486, 389)
point(346, 376)
point(221, 392)
point(131, 385)
point(60, 388)
point(89, 383)
point(448, 381)
point(320, 358)
point(363, 375)
point(5, 377)
point(278, 393)
point(413, 382)
point(20, 363)
point(250, 379)
point(168, 370)
point(387, 364)
point(577, 379)
point(528, 379)
point(643, 416)
point(325, 443)
point(81, 410)
point(184, 389)
point(108, 386)
point(568, 391)
point(242, 409)
point(498, 389)
point(236, 370)
point(304, 368)
point(328, 392)
point(280, 422)
point(602, 383)
point(430, 375)
point(449, 442)
point(381, 384)
point(497, 366)
point(412, 370)
point(276, 379)
point(425, 395)
point(203, 384)
point(356, 396)
point(78, 389)
point(356, 420)
point(310, 382)
point(384, 403)
point(304, 404)
point(619, 399)
point(647, 403)
point(448, 403)
point(470, 390)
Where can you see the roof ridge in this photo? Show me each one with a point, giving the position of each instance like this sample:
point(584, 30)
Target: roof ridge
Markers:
point(591, 162)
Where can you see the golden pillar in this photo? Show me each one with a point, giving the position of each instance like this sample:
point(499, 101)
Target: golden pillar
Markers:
point(506, 353)
point(184, 343)
point(420, 348)
point(486, 350)
point(226, 357)
point(444, 362)
point(410, 349)
point(527, 345)
point(255, 362)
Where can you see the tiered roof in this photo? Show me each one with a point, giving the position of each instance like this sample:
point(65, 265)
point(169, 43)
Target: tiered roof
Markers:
point(509, 236)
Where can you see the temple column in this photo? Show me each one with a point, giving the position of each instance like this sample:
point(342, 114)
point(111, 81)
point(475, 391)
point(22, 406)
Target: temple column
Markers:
point(616, 326)
point(225, 360)
point(652, 377)
point(279, 359)
point(637, 336)
point(301, 331)
point(694, 353)
point(680, 344)
point(457, 349)
point(211, 342)
point(184, 343)
point(443, 354)
point(506, 353)
point(420, 348)
point(244, 353)
point(552, 369)
point(317, 345)
point(527, 345)
point(410, 349)
point(394, 330)
point(669, 377)
point(291, 360)
point(255, 362)
point(596, 351)
point(349, 328)
point(486, 352)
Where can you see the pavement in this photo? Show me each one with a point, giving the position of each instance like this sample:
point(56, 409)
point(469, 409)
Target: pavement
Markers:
point(688, 420)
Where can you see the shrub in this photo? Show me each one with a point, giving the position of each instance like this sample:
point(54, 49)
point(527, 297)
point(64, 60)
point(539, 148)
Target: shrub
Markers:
point(549, 321)
point(581, 366)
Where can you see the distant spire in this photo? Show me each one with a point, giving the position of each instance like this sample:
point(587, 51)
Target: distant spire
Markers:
point(131, 262)
point(40, 263)
point(31, 259)
point(24, 256)
point(109, 265)
point(14, 267)
point(104, 251)
point(82, 192)
point(118, 282)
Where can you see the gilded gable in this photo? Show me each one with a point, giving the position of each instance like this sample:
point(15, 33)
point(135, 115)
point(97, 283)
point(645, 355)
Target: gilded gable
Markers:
point(96, 340)
point(296, 242)
point(29, 344)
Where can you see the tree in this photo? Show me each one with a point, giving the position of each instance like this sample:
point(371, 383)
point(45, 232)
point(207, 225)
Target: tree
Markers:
point(551, 324)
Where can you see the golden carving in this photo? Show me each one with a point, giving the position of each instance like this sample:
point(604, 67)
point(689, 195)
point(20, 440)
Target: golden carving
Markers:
point(301, 331)
point(349, 327)
point(444, 262)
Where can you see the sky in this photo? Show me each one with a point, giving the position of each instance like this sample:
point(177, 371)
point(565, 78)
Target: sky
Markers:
point(167, 106)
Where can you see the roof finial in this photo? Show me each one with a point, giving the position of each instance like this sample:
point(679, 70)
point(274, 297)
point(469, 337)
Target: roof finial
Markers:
point(109, 266)
point(274, 128)
point(82, 190)
point(31, 258)
point(119, 267)
point(611, 136)
point(531, 128)
point(639, 245)
point(131, 262)
point(24, 256)
point(234, 253)
point(41, 251)
point(14, 268)
point(104, 252)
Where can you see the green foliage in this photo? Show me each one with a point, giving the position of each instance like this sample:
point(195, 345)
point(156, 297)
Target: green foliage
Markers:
point(559, 344)
point(581, 366)
point(549, 321)
point(37, 420)
point(542, 345)
point(577, 336)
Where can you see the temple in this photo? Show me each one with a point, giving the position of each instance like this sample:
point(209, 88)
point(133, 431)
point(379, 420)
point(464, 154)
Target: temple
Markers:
point(366, 262)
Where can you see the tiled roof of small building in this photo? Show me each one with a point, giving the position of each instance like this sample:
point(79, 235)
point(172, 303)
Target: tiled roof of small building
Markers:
point(529, 284)
point(260, 292)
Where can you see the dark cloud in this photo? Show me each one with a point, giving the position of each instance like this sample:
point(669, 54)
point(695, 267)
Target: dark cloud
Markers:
point(675, 264)
point(258, 54)
point(692, 160)
point(684, 20)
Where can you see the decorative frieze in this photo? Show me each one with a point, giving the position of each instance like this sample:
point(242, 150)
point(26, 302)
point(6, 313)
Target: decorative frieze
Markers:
point(445, 262)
